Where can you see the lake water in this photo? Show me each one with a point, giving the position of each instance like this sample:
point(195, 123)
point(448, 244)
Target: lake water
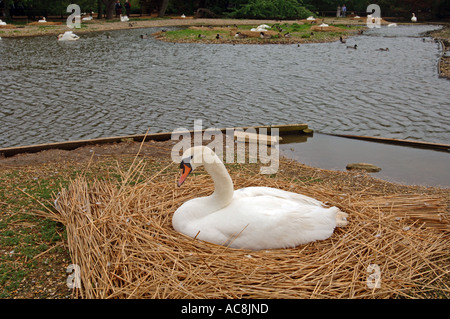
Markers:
point(98, 86)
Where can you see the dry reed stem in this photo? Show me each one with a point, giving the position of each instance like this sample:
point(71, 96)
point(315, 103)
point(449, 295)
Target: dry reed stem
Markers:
point(120, 234)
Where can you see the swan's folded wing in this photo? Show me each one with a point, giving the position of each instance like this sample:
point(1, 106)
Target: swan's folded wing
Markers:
point(276, 193)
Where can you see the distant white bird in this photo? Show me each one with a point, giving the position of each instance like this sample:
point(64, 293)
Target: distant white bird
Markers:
point(311, 18)
point(68, 36)
point(183, 16)
point(323, 25)
point(356, 17)
point(392, 25)
point(2, 22)
point(260, 28)
point(87, 18)
point(414, 18)
point(124, 18)
point(42, 20)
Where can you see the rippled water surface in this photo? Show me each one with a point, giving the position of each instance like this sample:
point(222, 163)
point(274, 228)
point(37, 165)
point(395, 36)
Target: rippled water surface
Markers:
point(97, 87)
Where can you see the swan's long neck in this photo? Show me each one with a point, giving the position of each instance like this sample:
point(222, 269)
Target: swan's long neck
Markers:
point(223, 184)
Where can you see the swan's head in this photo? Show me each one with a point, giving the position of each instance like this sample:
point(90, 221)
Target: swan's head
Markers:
point(195, 157)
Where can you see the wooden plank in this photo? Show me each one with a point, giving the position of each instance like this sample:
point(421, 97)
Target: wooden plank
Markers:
point(248, 137)
point(291, 127)
point(410, 143)
point(71, 145)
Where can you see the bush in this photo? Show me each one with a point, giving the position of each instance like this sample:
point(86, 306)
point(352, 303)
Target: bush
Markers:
point(272, 9)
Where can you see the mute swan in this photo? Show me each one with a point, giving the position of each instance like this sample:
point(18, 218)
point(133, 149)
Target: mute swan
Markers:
point(42, 20)
point(68, 36)
point(260, 28)
point(124, 18)
point(250, 218)
point(414, 18)
point(2, 22)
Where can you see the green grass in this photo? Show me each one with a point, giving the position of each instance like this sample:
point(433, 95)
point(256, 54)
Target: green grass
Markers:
point(297, 31)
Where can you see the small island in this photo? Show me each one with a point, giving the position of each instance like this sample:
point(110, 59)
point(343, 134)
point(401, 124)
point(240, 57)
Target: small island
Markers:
point(277, 32)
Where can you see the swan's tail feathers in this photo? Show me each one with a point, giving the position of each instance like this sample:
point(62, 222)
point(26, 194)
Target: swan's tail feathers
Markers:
point(341, 218)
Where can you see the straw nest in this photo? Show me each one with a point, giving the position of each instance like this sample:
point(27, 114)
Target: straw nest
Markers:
point(120, 234)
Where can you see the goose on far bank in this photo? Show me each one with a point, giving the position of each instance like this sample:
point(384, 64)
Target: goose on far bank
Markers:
point(262, 35)
point(414, 18)
point(240, 35)
point(253, 217)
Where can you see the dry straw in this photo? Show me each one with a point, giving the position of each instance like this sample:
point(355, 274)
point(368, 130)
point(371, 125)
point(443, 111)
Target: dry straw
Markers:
point(121, 236)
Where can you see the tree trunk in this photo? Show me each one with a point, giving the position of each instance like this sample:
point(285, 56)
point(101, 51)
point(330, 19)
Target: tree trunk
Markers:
point(110, 4)
point(100, 9)
point(164, 4)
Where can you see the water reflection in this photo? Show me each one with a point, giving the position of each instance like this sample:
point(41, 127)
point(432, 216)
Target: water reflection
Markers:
point(99, 86)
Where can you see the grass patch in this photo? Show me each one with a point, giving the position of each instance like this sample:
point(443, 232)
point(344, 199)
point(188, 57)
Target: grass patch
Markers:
point(297, 33)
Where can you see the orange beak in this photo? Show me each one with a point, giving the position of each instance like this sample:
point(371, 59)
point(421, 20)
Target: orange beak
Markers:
point(185, 170)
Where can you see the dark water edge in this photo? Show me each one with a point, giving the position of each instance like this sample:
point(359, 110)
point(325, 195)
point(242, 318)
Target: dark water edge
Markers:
point(399, 164)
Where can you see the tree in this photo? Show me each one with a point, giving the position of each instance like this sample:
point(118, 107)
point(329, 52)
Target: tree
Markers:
point(110, 4)
point(163, 9)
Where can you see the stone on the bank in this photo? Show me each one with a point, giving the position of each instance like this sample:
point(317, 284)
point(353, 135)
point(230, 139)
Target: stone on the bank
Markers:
point(364, 166)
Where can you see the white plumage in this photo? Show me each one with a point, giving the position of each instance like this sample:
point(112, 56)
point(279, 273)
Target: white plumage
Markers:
point(253, 217)
point(68, 36)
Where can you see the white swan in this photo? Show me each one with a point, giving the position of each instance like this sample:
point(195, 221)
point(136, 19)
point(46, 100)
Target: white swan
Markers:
point(68, 36)
point(2, 22)
point(414, 18)
point(42, 20)
point(124, 18)
point(260, 28)
point(311, 18)
point(324, 25)
point(253, 217)
point(392, 25)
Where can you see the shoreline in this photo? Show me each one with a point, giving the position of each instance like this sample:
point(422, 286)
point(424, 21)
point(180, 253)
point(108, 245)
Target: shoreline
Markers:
point(54, 28)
